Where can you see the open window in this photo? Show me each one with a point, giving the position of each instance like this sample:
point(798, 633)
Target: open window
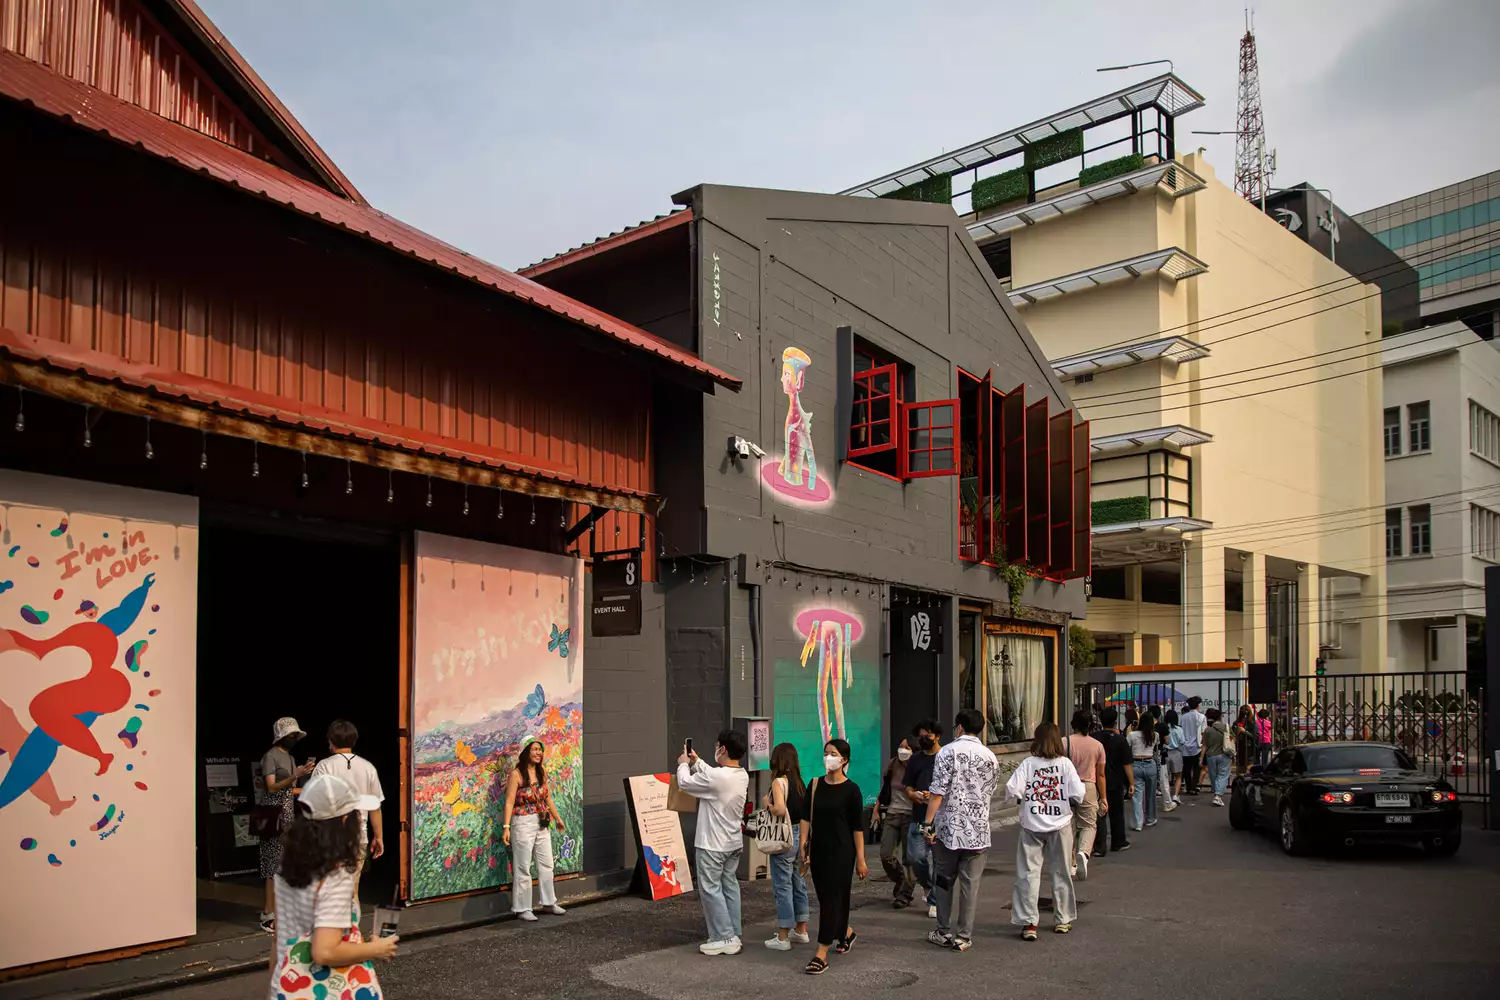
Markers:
point(1082, 508)
point(995, 415)
point(1013, 429)
point(976, 493)
point(873, 385)
point(929, 439)
point(874, 419)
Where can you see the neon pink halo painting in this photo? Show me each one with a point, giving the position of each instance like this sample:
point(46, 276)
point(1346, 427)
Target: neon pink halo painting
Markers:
point(814, 494)
point(830, 636)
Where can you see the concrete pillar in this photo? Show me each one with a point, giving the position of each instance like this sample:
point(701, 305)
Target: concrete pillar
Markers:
point(1205, 640)
point(1309, 617)
point(1254, 637)
point(1133, 649)
point(1374, 635)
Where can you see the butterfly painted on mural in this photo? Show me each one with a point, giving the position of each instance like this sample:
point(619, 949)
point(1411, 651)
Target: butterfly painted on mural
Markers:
point(453, 794)
point(535, 702)
point(462, 751)
point(559, 640)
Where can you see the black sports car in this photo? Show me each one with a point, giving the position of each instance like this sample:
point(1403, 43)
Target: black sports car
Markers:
point(1324, 794)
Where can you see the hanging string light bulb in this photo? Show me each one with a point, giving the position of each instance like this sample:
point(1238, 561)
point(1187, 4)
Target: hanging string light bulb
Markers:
point(304, 471)
point(150, 452)
point(466, 499)
point(88, 437)
point(20, 409)
point(254, 459)
point(203, 453)
point(500, 508)
point(429, 491)
point(348, 477)
point(533, 508)
point(390, 488)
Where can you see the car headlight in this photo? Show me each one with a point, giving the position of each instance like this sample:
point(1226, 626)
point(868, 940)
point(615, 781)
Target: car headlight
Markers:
point(1445, 796)
point(1338, 797)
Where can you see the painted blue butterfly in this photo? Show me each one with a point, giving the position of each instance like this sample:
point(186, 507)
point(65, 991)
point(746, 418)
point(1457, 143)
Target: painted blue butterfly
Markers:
point(559, 640)
point(535, 702)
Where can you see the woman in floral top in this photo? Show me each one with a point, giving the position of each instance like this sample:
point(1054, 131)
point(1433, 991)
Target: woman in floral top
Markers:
point(529, 812)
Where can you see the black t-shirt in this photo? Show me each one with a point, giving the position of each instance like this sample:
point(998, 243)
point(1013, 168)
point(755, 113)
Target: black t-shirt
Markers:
point(919, 772)
point(837, 812)
point(1117, 756)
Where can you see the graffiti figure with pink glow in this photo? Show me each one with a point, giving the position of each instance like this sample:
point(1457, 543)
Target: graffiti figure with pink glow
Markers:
point(831, 634)
point(795, 474)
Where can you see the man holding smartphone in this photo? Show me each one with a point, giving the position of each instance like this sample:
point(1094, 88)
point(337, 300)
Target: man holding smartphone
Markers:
point(721, 790)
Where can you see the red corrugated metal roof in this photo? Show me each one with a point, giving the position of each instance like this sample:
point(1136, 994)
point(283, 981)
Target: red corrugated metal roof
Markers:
point(33, 84)
point(279, 410)
point(640, 230)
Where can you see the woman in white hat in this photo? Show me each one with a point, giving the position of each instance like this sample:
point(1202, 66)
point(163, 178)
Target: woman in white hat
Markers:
point(319, 949)
point(279, 772)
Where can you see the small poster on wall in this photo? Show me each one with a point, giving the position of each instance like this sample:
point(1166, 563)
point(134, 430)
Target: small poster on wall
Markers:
point(658, 836)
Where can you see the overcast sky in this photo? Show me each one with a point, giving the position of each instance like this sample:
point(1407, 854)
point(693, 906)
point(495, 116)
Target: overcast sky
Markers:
point(518, 130)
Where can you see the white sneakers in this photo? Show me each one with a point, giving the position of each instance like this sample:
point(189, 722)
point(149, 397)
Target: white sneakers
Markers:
point(1082, 874)
point(1218, 800)
point(776, 944)
point(554, 909)
point(730, 947)
point(1177, 799)
point(796, 938)
point(1171, 804)
point(527, 915)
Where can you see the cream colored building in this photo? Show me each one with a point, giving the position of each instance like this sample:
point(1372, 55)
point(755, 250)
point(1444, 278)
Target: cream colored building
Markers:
point(1230, 372)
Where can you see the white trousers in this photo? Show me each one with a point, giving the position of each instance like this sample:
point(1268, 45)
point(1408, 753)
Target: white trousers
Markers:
point(528, 840)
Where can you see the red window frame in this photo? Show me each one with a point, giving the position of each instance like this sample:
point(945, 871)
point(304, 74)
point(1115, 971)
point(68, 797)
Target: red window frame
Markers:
point(975, 540)
point(984, 531)
point(891, 422)
point(1060, 476)
point(1038, 492)
point(1013, 426)
point(929, 449)
point(1082, 508)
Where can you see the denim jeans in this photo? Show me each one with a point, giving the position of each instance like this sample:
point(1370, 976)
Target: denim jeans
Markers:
point(1218, 772)
point(919, 852)
point(719, 891)
point(788, 885)
point(1143, 803)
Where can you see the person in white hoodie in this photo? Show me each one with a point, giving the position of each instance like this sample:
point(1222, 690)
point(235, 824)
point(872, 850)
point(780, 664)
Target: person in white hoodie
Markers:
point(1047, 785)
point(719, 839)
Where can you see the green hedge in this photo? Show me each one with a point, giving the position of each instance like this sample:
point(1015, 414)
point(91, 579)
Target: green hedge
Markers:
point(1112, 168)
point(1001, 188)
point(938, 190)
point(1120, 510)
point(1063, 146)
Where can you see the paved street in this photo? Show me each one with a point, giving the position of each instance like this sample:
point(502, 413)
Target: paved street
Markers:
point(1250, 921)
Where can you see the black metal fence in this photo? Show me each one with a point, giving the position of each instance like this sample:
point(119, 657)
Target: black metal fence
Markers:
point(1436, 717)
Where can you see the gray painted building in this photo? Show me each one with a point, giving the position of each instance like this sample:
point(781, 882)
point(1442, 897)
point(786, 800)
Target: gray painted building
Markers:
point(826, 572)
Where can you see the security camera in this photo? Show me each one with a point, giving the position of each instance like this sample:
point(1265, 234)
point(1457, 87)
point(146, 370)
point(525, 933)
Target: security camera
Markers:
point(744, 449)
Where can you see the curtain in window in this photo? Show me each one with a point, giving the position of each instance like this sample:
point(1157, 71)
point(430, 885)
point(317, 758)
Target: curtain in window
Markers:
point(1016, 678)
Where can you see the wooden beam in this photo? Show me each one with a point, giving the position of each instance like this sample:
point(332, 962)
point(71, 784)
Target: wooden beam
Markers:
point(74, 388)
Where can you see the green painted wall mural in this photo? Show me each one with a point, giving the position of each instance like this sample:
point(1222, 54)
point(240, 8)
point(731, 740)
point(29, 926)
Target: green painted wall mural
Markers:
point(832, 690)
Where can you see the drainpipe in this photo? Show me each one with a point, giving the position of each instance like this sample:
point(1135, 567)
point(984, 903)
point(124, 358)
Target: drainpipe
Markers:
point(1183, 587)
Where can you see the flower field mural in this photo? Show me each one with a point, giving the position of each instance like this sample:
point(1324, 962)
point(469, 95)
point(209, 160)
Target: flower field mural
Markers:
point(497, 662)
point(98, 647)
point(832, 689)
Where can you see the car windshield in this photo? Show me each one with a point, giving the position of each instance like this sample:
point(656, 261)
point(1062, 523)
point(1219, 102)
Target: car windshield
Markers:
point(1354, 758)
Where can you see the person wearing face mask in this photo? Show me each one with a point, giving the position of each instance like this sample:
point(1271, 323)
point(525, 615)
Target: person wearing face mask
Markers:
point(895, 818)
point(916, 780)
point(833, 850)
point(721, 793)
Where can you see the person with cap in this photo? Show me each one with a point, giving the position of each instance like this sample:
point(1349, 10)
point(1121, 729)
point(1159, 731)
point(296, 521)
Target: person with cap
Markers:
point(279, 772)
point(318, 942)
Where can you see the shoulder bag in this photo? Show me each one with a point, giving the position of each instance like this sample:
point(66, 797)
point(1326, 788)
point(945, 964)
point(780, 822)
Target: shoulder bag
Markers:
point(772, 833)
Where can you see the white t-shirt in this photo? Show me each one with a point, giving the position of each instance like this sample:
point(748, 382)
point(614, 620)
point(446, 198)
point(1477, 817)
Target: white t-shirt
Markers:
point(1045, 787)
point(1193, 724)
point(360, 774)
point(1138, 747)
point(721, 792)
point(329, 903)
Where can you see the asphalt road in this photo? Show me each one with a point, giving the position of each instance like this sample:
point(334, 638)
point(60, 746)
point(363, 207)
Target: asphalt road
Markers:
point(1192, 909)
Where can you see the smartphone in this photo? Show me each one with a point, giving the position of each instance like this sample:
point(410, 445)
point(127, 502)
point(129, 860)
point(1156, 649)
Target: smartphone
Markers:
point(387, 921)
point(687, 746)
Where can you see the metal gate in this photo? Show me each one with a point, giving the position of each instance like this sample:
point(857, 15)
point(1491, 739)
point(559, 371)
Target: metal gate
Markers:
point(1434, 716)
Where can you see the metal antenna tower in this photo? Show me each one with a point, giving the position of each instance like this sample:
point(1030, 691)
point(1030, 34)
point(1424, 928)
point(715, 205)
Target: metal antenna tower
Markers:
point(1250, 162)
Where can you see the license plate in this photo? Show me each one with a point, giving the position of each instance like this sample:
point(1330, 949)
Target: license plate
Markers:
point(1398, 819)
point(1398, 800)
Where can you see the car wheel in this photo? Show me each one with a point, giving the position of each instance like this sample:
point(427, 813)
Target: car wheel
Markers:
point(1445, 847)
point(1240, 817)
point(1293, 840)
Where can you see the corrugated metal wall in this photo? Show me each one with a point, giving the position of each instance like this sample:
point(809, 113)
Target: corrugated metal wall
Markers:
point(172, 275)
point(116, 46)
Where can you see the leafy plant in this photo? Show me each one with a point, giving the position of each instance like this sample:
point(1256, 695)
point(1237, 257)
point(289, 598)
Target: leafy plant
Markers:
point(1001, 188)
point(1080, 647)
point(1015, 575)
point(1110, 168)
point(938, 190)
point(1120, 510)
point(1055, 149)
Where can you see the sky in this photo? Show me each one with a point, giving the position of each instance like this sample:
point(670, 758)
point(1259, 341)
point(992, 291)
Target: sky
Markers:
point(516, 131)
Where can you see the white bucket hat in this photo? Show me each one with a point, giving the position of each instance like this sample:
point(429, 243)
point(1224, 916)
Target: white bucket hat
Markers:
point(286, 726)
point(327, 796)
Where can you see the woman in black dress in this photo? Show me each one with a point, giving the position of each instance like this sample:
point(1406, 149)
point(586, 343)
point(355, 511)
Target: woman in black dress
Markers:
point(833, 847)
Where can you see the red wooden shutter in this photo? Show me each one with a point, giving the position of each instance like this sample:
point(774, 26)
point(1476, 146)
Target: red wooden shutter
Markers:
point(1038, 499)
point(1082, 502)
point(984, 531)
point(1060, 479)
point(1013, 408)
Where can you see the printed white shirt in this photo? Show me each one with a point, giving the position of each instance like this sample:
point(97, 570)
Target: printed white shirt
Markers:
point(1193, 724)
point(1046, 787)
point(965, 774)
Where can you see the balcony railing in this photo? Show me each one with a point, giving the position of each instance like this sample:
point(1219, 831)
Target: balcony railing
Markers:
point(1170, 179)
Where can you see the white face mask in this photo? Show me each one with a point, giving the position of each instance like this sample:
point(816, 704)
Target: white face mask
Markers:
point(832, 762)
point(903, 754)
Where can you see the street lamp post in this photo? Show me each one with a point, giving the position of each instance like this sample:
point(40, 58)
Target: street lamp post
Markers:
point(1149, 62)
point(1260, 156)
